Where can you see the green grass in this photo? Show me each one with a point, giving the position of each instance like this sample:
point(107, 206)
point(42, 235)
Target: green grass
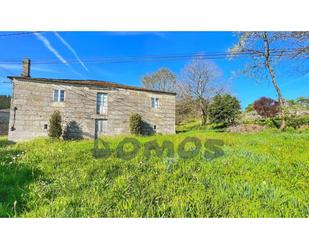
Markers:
point(260, 175)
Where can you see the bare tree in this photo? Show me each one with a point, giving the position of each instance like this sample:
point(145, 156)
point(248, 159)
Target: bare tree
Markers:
point(163, 80)
point(186, 109)
point(267, 49)
point(300, 43)
point(199, 82)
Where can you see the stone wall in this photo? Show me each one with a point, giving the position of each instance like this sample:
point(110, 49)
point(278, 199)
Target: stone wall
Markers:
point(34, 103)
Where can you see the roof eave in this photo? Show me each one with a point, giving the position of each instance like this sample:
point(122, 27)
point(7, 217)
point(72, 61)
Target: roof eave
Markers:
point(82, 82)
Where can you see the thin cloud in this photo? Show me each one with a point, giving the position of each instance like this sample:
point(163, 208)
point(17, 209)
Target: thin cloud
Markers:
point(69, 47)
point(48, 45)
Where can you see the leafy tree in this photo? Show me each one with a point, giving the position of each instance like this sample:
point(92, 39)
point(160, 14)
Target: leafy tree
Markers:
point(224, 109)
point(163, 80)
point(200, 82)
point(5, 101)
point(55, 129)
point(267, 49)
point(249, 108)
point(136, 124)
point(266, 107)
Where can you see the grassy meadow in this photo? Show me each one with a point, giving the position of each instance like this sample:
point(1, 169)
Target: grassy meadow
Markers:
point(264, 174)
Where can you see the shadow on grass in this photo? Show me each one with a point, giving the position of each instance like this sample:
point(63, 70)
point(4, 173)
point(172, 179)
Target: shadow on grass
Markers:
point(219, 128)
point(5, 143)
point(181, 131)
point(15, 178)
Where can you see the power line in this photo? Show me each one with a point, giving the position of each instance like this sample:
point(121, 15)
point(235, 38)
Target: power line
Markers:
point(6, 70)
point(17, 34)
point(151, 58)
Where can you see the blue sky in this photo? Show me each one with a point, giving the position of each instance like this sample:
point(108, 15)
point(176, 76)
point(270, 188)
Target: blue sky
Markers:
point(61, 47)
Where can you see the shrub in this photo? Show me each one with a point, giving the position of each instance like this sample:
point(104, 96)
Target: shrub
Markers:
point(55, 129)
point(136, 124)
point(266, 107)
point(224, 109)
point(297, 122)
point(292, 122)
point(269, 122)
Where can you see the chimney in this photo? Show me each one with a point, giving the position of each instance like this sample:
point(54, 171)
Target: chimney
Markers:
point(26, 68)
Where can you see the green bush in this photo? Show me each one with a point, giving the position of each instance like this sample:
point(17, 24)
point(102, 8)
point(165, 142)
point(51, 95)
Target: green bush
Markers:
point(269, 122)
point(55, 129)
point(224, 109)
point(5, 102)
point(297, 122)
point(291, 122)
point(136, 124)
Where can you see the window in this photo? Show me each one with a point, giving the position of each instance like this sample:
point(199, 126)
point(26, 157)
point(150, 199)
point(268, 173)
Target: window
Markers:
point(154, 103)
point(101, 103)
point(58, 95)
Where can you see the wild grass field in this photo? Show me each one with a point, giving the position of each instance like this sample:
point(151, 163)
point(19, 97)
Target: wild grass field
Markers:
point(264, 174)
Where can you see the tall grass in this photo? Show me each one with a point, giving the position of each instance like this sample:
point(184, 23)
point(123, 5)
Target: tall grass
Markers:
point(260, 175)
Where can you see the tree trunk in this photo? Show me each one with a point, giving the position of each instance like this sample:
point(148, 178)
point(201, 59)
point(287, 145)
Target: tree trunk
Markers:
point(203, 112)
point(204, 117)
point(280, 98)
point(274, 81)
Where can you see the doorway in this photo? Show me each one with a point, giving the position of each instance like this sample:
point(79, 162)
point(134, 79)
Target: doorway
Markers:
point(100, 127)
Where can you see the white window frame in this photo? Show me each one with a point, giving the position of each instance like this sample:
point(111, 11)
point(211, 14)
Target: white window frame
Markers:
point(58, 98)
point(102, 109)
point(154, 102)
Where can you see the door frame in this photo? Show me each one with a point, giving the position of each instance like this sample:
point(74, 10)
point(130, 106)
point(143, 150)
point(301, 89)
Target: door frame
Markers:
point(96, 132)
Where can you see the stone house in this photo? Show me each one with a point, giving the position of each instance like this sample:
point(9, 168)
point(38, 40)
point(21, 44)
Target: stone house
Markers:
point(89, 108)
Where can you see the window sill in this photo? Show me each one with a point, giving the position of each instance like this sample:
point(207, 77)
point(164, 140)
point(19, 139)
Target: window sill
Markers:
point(98, 116)
point(58, 104)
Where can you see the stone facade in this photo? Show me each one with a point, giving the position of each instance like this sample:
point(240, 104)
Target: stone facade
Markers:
point(32, 105)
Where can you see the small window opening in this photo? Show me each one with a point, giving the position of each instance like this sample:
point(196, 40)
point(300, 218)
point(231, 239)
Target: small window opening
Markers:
point(58, 95)
point(154, 103)
point(101, 103)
